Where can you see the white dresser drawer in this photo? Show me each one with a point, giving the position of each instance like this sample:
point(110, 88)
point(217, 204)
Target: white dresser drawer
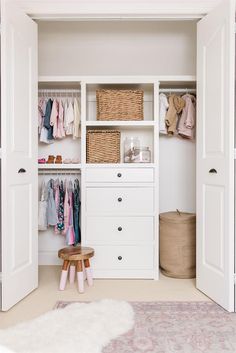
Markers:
point(119, 230)
point(119, 201)
point(123, 257)
point(119, 175)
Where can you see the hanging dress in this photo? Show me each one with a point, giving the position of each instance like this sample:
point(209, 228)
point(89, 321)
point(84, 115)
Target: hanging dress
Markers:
point(57, 202)
point(66, 208)
point(52, 212)
point(43, 209)
point(76, 211)
point(76, 125)
point(163, 107)
point(70, 233)
point(60, 224)
point(69, 118)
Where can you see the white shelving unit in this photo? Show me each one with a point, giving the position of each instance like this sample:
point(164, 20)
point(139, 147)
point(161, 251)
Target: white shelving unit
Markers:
point(58, 166)
point(132, 252)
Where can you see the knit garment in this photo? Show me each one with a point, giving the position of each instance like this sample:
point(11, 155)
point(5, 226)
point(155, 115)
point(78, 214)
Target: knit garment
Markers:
point(176, 105)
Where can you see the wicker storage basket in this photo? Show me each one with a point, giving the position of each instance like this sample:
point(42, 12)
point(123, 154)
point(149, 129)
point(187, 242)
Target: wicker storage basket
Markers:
point(103, 146)
point(114, 104)
point(178, 244)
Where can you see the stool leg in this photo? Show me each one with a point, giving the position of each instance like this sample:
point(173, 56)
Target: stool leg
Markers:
point(64, 273)
point(85, 277)
point(80, 276)
point(72, 273)
point(88, 272)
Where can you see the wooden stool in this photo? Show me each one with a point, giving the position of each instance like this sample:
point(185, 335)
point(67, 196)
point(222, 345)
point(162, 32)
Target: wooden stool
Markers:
point(75, 258)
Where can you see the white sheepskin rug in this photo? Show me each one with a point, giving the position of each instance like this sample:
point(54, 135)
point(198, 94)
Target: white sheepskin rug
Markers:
point(78, 328)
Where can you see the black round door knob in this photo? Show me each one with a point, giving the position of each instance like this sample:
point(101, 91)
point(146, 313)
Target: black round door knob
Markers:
point(119, 229)
point(119, 258)
point(119, 175)
point(119, 199)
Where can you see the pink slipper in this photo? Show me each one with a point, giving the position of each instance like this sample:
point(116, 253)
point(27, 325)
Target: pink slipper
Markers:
point(41, 161)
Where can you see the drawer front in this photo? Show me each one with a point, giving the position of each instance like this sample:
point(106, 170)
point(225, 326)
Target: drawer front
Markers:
point(120, 175)
point(123, 257)
point(119, 230)
point(119, 201)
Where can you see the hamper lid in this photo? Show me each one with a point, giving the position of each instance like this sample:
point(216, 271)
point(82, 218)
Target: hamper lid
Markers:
point(178, 217)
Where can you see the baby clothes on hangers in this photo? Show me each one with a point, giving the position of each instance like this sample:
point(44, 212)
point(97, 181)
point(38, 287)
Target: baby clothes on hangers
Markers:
point(163, 107)
point(43, 209)
point(70, 234)
point(47, 117)
point(186, 126)
point(41, 113)
point(76, 125)
point(77, 211)
point(60, 224)
point(66, 209)
point(52, 212)
point(60, 126)
point(57, 201)
point(69, 118)
point(176, 104)
point(54, 118)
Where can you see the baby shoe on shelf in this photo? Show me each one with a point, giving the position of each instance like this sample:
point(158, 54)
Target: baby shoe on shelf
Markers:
point(41, 161)
point(75, 161)
point(51, 159)
point(58, 159)
point(67, 161)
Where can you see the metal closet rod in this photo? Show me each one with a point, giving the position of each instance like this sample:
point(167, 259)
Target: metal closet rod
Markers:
point(59, 90)
point(45, 172)
point(193, 90)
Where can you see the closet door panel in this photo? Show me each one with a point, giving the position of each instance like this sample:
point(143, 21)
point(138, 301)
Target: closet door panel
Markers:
point(19, 154)
point(215, 155)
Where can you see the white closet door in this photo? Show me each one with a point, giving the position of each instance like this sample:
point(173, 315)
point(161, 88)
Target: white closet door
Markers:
point(215, 157)
point(19, 155)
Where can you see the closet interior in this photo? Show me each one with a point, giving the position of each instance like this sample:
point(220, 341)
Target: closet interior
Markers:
point(75, 60)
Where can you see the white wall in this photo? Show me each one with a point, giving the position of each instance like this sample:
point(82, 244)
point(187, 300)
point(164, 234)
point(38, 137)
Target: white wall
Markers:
point(128, 48)
point(177, 174)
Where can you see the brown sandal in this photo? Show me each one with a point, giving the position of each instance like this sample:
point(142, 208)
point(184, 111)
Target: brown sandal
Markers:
point(58, 159)
point(51, 159)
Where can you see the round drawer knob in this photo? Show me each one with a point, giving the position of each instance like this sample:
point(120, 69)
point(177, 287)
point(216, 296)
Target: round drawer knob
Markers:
point(119, 175)
point(119, 258)
point(119, 199)
point(119, 229)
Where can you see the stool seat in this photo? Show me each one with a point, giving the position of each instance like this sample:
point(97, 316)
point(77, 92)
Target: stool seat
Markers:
point(77, 260)
point(75, 253)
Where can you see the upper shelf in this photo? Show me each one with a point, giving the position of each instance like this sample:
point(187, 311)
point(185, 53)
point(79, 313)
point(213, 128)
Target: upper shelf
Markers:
point(117, 79)
point(142, 123)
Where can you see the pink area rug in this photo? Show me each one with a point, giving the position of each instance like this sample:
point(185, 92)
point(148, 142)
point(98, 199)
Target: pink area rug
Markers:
point(176, 327)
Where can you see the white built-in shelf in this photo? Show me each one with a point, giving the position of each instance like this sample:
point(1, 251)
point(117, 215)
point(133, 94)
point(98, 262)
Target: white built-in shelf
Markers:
point(59, 166)
point(120, 165)
point(121, 123)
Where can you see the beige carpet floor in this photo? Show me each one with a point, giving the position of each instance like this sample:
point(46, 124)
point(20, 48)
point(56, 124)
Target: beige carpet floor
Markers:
point(47, 294)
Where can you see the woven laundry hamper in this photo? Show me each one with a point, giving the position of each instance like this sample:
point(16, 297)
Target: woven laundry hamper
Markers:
point(178, 244)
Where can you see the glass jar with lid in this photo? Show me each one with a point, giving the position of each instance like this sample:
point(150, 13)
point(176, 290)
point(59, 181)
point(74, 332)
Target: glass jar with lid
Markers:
point(131, 149)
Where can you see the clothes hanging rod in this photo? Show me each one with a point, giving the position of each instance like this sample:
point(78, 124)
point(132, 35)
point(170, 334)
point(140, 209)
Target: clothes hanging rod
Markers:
point(59, 90)
point(191, 90)
point(58, 172)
